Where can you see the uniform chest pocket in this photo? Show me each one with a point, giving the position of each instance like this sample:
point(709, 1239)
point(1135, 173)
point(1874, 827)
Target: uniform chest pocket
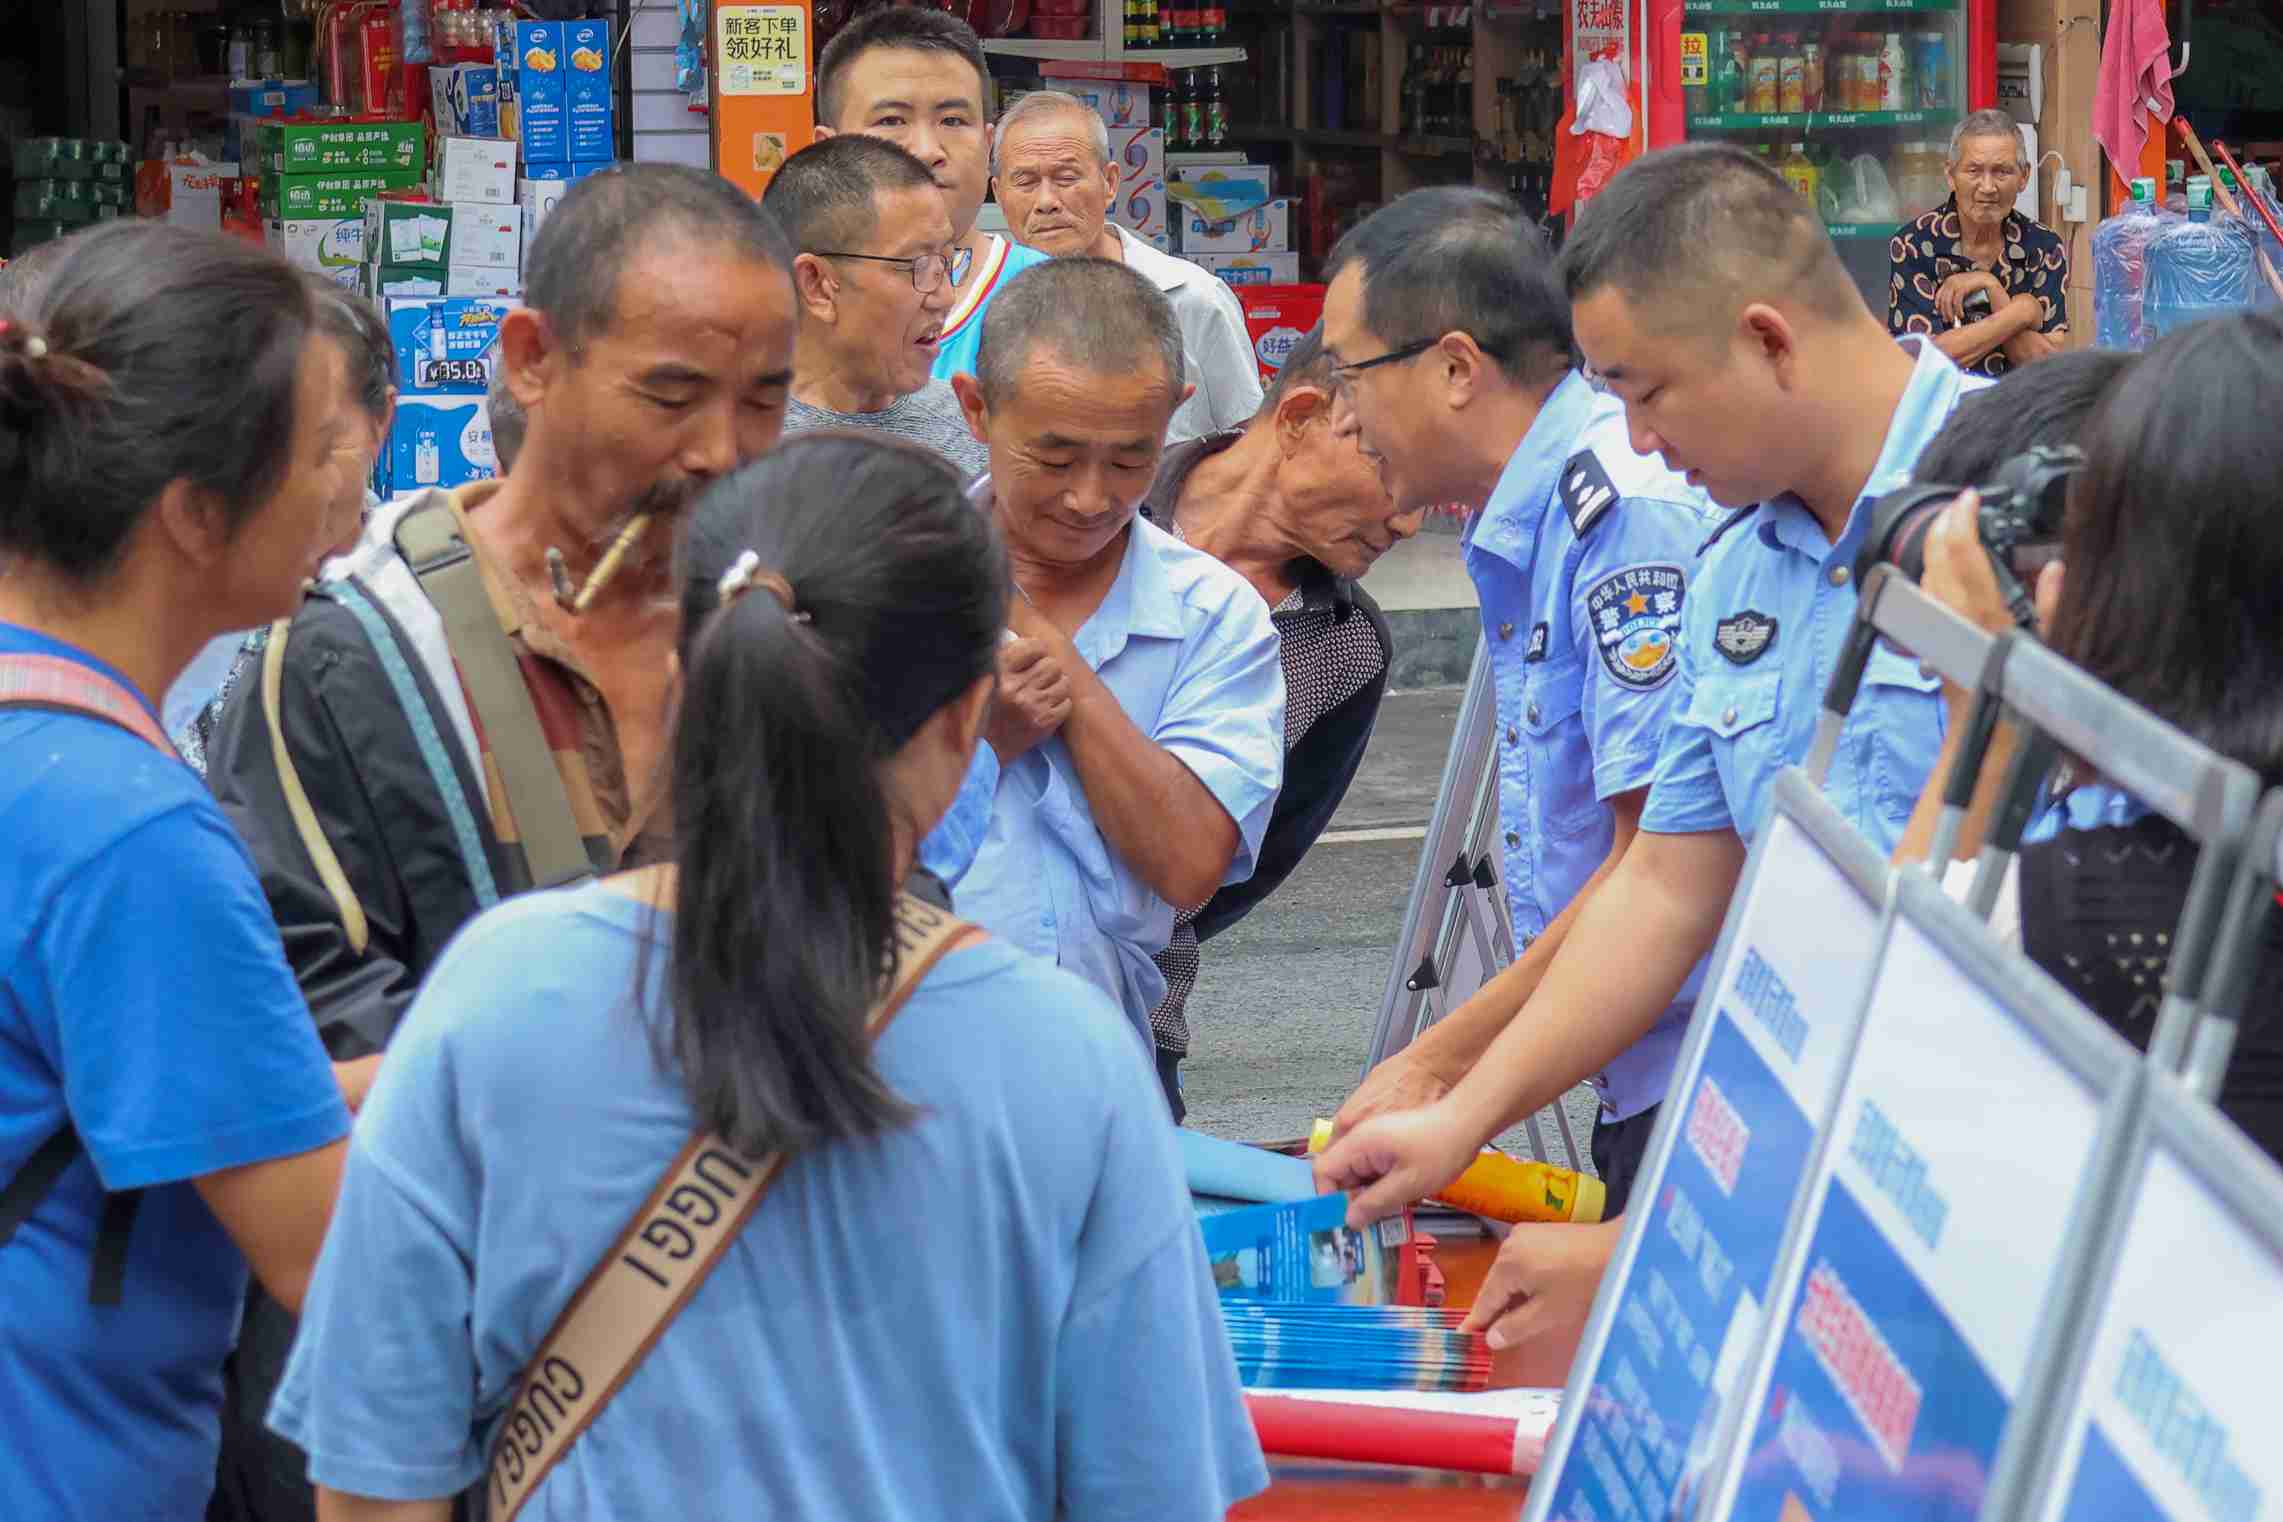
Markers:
point(1552, 698)
point(1560, 752)
point(1897, 725)
point(1731, 707)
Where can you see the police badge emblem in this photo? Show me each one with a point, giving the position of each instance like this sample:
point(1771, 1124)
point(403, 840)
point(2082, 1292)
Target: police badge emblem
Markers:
point(1636, 615)
point(1745, 637)
point(1537, 647)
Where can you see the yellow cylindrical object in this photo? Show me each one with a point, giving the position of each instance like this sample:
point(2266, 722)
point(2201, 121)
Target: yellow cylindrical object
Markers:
point(1511, 1188)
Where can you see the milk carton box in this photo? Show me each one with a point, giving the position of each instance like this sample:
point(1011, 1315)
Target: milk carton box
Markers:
point(1119, 102)
point(1251, 269)
point(476, 169)
point(486, 237)
point(446, 345)
point(461, 280)
point(440, 441)
point(533, 93)
point(1140, 209)
point(466, 98)
point(333, 248)
point(1139, 153)
point(407, 233)
point(537, 199)
point(387, 282)
point(1264, 229)
point(586, 92)
point(562, 169)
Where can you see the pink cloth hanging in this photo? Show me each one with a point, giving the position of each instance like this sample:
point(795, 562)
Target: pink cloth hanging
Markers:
point(2135, 83)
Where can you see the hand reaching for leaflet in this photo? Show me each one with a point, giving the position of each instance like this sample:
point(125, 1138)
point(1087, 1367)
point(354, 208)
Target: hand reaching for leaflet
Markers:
point(1394, 1160)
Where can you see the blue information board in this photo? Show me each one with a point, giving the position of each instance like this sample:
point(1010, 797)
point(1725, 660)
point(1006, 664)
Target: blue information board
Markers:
point(2171, 1410)
point(1947, 1224)
point(1674, 1329)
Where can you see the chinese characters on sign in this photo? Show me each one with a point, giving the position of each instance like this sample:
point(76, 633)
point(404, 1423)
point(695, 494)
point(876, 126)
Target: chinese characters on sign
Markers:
point(762, 49)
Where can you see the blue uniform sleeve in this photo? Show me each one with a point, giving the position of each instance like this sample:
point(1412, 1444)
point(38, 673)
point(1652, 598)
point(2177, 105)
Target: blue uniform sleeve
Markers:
point(1150, 1416)
point(950, 847)
point(183, 1044)
point(1685, 795)
point(380, 1389)
point(1224, 719)
point(1629, 605)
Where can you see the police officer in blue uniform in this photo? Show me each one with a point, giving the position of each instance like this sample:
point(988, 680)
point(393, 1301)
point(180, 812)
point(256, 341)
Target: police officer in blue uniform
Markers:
point(1454, 355)
point(1707, 298)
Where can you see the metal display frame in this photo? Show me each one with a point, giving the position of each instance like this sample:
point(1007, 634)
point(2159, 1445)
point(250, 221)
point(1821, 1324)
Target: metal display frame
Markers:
point(2173, 1117)
point(2096, 1056)
point(1456, 934)
point(1796, 802)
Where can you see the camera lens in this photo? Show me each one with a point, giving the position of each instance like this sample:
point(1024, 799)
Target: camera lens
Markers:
point(1900, 521)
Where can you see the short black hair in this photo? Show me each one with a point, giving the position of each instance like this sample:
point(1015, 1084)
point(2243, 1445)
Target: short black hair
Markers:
point(827, 195)
point(1305, 364)
point(2050, 402)
point(1456, 259)
point(921, 29)
point(2172, 542)
point(1093, 312)
point(571, 269)
point(1705, 228)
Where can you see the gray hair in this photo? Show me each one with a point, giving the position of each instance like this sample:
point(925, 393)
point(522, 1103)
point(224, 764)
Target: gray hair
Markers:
point(1095, 313)
point(1051, 103)
point(1989, 123)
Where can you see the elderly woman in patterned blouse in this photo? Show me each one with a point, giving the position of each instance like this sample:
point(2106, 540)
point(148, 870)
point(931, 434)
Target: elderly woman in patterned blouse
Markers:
point(1986, 283)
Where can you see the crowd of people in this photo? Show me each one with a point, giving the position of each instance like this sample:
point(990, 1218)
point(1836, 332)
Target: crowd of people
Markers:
point(886, 658)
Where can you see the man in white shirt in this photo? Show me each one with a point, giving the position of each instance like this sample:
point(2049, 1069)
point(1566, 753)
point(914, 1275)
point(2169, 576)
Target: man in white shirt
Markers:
point(1055, 179)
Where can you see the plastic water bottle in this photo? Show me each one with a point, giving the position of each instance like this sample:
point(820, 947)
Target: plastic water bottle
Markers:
point(2119, 246)
point(2198, 268)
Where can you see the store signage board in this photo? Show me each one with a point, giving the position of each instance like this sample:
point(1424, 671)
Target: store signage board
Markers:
point(1950, 1220)
point(764, 49)
point(1679, 1315)
point(2172, 1414)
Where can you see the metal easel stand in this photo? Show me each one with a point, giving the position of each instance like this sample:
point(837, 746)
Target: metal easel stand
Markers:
point(1456, 934)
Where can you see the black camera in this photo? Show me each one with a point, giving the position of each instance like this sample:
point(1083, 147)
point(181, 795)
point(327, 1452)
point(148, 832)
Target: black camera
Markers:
point(2020, 520)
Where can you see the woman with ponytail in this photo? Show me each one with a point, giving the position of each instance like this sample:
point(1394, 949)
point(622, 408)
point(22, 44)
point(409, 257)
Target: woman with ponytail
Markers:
point(170, 412)
point(975, 1289)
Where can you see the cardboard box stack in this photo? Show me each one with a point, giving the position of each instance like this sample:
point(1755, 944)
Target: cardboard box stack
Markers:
point(446, 261)
point(251, 100)
point(445, 352)
point(316, 177)
point(64, 183)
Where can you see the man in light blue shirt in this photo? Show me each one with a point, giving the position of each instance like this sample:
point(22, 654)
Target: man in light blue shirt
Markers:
point(1708, 299)
point(1581, 555)
point(1140, 720)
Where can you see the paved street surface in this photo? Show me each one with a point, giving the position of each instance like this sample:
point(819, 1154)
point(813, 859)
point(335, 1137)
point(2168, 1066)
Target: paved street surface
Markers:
point(1284, 1010)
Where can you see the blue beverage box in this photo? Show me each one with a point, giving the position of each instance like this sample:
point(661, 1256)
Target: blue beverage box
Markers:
point(587, 95)
point(532, 88)
point(559, 169)
point(440, 441)
point(446, 345)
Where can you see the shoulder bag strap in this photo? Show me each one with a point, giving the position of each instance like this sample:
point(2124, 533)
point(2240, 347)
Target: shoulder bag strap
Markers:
point(69, 686)
point(322, 856)
point(658, 1262)
point(446, 569)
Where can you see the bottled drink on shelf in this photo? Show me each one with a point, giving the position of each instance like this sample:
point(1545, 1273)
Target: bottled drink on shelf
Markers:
point(1895, 93)
point(1216, 113)
point(1791, 74)
point(1414, 93)
point(1731, 70)
point(1801, 174)
point(1767, 92)
point(1811, 76)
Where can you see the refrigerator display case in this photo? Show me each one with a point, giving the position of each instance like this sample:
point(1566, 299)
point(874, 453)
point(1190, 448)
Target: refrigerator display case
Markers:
point(1851, 102)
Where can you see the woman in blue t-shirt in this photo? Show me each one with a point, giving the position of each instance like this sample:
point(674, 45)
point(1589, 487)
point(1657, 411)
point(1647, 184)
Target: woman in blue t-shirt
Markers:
point(977, 1289)
point(169, 418)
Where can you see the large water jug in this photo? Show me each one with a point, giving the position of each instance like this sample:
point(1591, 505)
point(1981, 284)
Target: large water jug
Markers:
point(2197, 268)
point(2119, 248)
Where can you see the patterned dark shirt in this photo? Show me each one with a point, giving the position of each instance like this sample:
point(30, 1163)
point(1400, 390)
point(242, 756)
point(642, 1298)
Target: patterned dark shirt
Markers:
point(1928, 251)
point(1334, 648)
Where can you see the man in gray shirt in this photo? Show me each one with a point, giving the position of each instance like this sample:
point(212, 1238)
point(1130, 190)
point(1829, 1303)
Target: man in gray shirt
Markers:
point(875, 273)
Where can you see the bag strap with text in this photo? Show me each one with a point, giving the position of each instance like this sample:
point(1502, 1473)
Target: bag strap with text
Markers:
point(682, 1230)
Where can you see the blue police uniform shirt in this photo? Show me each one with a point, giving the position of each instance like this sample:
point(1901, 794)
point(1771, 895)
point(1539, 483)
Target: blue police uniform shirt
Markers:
point(999, 1309)
point(1186, 646)
point(1770, 609)
point(145, 998)
point(1583, 629)
point(963, 324)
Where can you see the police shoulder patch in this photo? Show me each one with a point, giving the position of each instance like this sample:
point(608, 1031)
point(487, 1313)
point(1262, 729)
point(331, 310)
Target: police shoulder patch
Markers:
point(1636, 620)
point(1587, 492)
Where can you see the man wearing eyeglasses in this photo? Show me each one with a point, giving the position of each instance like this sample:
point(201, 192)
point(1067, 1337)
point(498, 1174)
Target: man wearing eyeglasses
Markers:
point(1450, 337)
point(876, 271)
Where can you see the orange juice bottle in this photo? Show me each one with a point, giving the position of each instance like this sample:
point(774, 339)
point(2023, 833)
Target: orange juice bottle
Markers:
point(1511, 1188)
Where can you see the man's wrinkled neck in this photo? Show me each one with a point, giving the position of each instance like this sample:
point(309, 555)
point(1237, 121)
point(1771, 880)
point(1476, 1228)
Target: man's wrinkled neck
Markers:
point(536, 509)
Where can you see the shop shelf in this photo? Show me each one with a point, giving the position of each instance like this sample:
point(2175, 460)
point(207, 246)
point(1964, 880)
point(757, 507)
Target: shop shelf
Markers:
point(1863, 230)
point(1096, 51)
point(1811, 121)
